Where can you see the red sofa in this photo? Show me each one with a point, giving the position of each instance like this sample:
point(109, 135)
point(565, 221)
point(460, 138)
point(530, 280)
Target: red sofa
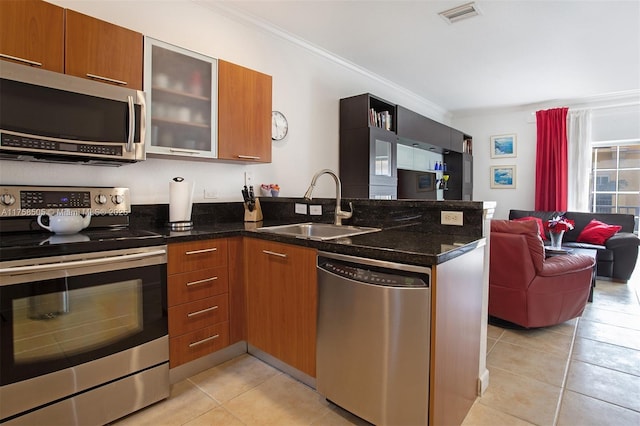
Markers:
point(525, 288)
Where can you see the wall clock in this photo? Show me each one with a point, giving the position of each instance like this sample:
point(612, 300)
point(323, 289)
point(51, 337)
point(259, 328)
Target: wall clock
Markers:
point(279, 126)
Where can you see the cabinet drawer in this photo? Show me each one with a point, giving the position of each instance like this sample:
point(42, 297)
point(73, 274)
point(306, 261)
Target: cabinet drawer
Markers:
point(201, 313)
point(194, 255)
point(199, 343)
point(196, 285)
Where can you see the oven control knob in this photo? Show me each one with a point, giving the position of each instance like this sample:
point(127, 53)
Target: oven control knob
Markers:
point(7, 199)
point(117, 199)
point(101, 199)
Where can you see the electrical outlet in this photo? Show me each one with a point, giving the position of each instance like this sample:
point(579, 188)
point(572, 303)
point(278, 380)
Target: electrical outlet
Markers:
point(248, 178)
point(451, 218)
point(301, 208)
point(210, 193)
point(315, 210)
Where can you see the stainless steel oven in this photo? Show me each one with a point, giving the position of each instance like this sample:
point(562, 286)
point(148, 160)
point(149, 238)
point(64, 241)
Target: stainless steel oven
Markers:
point(83, 337)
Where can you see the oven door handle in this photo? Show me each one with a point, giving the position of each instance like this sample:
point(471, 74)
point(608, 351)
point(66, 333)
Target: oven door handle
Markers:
point(80, 263)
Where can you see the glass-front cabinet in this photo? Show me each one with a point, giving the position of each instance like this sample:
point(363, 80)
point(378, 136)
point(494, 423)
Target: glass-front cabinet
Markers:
point(181, 87)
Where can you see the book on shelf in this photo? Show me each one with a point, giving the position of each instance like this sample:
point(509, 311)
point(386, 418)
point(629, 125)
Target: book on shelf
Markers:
point(380, 119)
point(467, 146)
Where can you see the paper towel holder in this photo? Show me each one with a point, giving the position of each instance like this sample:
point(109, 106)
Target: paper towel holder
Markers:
point(180, 225)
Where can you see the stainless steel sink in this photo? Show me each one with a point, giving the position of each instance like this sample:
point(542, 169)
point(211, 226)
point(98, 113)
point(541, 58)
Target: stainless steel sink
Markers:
point(317, 231)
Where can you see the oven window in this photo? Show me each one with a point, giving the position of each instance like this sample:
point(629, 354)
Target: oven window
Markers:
point(68, 322)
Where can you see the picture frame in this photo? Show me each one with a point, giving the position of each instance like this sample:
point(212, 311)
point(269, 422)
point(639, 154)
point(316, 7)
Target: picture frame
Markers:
point(503, 146)
point(425, 182)
point(503, 177)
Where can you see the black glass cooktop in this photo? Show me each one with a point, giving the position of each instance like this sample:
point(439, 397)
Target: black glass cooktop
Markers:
point(22, 245)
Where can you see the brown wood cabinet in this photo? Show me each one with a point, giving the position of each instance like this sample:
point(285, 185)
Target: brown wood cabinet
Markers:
point(32, 31)
point(282, 302)
point(244, 114)
point(198, 299)
point(102, 51)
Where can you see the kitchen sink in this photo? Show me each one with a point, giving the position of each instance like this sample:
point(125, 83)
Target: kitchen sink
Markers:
point(317, 231)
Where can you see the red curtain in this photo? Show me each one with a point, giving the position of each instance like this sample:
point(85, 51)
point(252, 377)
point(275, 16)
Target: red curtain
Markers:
point(551, 160)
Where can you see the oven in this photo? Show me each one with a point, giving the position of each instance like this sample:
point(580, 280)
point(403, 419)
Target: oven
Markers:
point(83, 317)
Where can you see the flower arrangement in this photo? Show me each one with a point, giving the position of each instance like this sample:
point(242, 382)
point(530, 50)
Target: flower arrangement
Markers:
point(559, 224)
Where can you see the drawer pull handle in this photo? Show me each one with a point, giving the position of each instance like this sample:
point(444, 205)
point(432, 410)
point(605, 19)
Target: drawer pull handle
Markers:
point(107, 79)
point(199, 342)
point(23, 60)
point(206, 280)
point(202, 251)
point(203, 311)
point(249, 157)
point(273, 253)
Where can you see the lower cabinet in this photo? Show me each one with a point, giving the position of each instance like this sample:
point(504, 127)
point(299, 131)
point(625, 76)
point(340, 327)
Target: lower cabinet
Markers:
point(198, 299)
point(282, 301)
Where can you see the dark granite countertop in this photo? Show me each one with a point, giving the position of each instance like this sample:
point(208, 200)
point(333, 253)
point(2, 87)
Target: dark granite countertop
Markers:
point(411, 232)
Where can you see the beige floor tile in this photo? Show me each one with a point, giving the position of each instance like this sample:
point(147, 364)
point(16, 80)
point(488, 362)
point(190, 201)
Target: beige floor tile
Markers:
point(615, 297)
point(280, 401)
point(494, 332)
point(582, 410)
point(521, 397)
point(185, 403)
point(607, 355)
point(490, 344)
point(602, 383)
point(567, 327)
point(620, 319)
point(234, 377)
point(216, 417)
point(543, 366)
point(620, 336)
point(541, 339)
point(482, 415)
point(336, 416)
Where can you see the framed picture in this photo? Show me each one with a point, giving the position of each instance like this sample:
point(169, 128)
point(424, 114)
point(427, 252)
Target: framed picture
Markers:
point(503, 177)
point(425, 182)
point(503, 146)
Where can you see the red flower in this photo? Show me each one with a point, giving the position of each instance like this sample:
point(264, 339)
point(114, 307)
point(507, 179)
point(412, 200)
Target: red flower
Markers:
point(559, 224)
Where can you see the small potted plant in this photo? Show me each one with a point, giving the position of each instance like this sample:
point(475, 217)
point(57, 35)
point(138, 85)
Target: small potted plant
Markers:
point(557, 227)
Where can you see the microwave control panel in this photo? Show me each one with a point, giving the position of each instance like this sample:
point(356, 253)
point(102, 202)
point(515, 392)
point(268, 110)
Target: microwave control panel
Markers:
point(43, 145)
point(37, 200)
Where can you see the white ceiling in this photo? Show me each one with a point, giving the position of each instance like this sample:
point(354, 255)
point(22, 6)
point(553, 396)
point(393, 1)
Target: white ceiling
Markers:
point(517, 52)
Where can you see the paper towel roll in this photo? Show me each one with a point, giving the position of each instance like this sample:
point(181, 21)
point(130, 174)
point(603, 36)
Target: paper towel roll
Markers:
point(180, 200)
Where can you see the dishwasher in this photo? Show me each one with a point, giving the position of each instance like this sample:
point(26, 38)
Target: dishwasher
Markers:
point(373, 338)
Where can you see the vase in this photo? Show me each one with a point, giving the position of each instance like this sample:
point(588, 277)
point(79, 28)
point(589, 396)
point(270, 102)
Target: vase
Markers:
point(556, 240)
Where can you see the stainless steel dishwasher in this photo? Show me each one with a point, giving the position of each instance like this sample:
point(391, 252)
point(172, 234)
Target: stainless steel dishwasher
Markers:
point(373, 340)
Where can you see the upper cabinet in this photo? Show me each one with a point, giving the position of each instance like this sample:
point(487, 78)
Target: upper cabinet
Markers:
point(181, 86)
point(102, 51)
point(244, 114)
point(32, 33)
point(418, 129)
point(43, 35)
point(368, 148)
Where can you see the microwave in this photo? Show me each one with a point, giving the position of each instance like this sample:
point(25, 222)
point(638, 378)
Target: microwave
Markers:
point(52, 117)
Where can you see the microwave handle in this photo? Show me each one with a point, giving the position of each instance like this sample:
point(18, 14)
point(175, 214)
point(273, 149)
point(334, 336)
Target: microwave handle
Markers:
point(132, 123)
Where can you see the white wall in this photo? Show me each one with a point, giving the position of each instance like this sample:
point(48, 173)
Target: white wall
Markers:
point(307, 87)
point(613, 117)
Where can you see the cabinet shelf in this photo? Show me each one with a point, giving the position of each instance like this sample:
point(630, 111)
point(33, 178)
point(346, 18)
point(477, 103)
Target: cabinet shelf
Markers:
point(173, 93)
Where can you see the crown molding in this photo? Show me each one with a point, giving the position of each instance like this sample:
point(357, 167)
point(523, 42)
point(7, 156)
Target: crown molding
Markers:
point(246, 18)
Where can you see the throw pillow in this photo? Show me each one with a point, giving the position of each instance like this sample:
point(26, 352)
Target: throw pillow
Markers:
point(597, 232)
point(540, 225)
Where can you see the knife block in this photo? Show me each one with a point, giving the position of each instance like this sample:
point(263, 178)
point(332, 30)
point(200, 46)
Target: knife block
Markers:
point(255, 215)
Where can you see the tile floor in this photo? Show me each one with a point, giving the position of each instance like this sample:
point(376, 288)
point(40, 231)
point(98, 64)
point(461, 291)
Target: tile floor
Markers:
point(583, 372)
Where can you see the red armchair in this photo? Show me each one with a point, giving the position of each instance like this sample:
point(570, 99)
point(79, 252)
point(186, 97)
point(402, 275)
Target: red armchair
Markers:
point(525, 288)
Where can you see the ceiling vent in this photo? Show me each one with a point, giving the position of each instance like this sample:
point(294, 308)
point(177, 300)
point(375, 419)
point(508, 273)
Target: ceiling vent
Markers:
point(456, 14)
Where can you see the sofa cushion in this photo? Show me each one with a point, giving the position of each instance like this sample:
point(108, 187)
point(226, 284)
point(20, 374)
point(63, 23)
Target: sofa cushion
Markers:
point(597, 232)
point(538, 221)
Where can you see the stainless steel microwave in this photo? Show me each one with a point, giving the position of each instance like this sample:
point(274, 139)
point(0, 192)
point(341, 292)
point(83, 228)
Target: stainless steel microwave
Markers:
point(52, 117)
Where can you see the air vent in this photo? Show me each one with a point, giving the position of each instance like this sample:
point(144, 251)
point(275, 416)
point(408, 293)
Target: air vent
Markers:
point(456, 14)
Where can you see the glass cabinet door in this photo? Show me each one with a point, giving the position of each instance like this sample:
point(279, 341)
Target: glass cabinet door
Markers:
point(383, 150)
point(182, 93)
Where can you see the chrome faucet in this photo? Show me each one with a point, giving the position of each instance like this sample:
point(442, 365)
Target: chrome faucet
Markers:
point(339, 213)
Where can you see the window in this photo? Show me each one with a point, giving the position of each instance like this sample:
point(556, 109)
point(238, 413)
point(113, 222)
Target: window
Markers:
point(615, 178)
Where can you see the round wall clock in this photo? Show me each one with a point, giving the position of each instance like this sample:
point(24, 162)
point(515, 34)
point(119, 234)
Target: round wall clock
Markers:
point(279, 126)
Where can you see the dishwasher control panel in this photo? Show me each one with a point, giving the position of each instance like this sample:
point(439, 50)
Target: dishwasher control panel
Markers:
point(374, 275)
